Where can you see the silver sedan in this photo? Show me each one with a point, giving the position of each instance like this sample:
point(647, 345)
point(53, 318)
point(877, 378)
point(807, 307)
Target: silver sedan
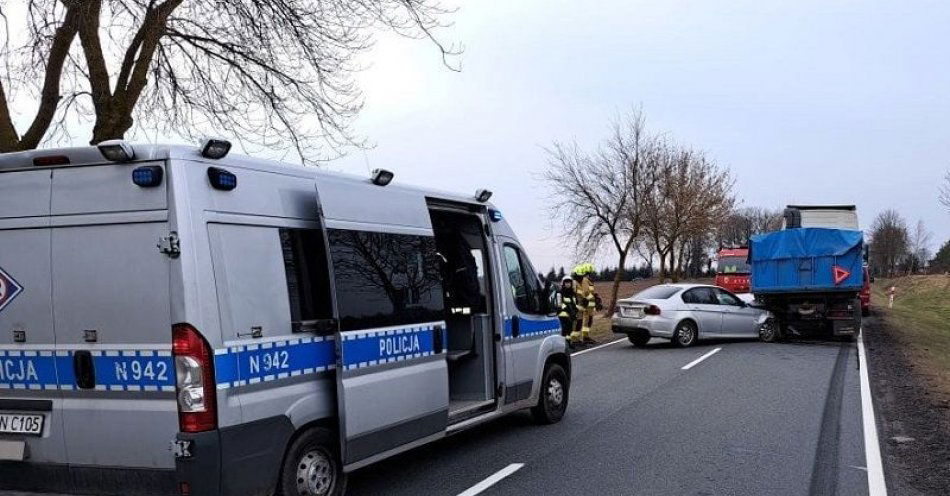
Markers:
point(686, 313)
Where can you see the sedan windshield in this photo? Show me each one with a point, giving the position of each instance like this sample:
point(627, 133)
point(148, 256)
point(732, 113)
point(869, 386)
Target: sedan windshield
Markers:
point(657, 293)
point(733, 265)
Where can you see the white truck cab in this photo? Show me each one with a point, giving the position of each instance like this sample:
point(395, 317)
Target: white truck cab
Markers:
point(178, 320)
point(830, 216)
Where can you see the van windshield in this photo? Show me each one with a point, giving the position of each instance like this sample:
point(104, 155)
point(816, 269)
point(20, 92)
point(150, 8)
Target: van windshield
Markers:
point(733, 265)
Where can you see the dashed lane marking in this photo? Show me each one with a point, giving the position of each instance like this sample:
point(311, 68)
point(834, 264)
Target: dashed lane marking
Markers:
point(700, 359)
point(492, 479)
point(598, 347)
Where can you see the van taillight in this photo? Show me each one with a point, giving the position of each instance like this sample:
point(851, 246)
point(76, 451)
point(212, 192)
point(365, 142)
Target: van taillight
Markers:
point(194, 378)
point(652, 310)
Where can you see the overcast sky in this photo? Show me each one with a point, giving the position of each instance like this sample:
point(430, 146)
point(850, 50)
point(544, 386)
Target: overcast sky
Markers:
point(806, 101)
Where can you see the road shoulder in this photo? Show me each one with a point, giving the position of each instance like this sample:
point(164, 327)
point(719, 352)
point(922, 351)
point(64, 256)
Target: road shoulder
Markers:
point(913, 415)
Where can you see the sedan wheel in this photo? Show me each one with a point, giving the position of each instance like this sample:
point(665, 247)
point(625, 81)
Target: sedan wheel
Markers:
point(685, 334)
point(768, 332)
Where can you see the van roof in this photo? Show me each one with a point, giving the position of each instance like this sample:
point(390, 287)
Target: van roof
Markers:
point(90, 155)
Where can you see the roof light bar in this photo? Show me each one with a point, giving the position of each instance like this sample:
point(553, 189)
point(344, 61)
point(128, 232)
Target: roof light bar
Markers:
point(116, 151)
point(482, 195)
point(215, 148)
point(382, 177)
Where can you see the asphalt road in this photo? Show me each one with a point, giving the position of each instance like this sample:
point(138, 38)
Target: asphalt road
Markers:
point(751, 419)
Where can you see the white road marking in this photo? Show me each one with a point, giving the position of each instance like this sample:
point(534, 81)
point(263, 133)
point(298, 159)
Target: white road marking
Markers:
point(872, 448)
point(492, 480)
point(597, 347)
point(696, 361)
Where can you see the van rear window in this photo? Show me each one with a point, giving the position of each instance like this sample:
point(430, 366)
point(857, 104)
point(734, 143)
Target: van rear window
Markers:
point(385, 279)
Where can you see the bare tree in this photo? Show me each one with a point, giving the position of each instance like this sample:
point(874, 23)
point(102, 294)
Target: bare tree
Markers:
point(918, 247)
point(598, 196)
point(693, 194)
point(741, 224)
point(889, 242)
point(945, 191)
point(275, 73)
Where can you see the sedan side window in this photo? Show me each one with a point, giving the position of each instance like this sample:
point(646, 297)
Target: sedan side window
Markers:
point(726, 298)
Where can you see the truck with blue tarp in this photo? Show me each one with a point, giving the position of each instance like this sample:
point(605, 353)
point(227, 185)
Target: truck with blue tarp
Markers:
point(810, 279)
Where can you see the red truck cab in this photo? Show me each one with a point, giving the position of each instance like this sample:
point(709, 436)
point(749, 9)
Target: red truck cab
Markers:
point(732, 269)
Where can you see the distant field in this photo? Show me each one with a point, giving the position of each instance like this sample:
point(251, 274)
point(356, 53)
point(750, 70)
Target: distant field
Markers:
point(601, 330)
point(921, 316)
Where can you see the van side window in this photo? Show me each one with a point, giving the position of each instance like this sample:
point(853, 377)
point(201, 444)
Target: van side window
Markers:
point(308, 282)
point(525, 285)
point(384, 279)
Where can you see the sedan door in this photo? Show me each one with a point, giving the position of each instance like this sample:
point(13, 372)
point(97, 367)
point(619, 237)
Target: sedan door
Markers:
point(702, 303)
point(738, 318)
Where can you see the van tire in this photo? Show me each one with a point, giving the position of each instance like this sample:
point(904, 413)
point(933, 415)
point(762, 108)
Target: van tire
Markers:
point(553, 395)
point(313, 453)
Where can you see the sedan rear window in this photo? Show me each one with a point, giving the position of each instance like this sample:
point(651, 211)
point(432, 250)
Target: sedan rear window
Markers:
point(659, 292)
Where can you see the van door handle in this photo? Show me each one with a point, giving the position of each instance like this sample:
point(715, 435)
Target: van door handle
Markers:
point(84, 369)
point(515, 326)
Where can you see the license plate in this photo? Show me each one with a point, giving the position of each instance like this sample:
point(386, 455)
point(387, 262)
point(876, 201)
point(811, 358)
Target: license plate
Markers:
point(30, 424)
point(636, 313)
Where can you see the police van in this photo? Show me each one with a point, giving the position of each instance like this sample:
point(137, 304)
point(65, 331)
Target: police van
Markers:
point(180, 320)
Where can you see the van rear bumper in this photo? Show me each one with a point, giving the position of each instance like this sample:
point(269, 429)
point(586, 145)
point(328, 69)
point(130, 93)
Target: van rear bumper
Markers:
point(243, 459)
point(45, 477)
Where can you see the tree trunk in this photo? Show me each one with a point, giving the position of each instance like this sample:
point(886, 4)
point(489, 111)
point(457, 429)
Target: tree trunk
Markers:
point(615, 288)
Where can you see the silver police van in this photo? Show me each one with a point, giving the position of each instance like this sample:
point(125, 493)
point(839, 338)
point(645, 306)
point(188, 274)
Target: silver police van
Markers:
point(178, 320)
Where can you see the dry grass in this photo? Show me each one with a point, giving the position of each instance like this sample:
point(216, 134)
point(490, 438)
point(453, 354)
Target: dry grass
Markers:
point(921, 315)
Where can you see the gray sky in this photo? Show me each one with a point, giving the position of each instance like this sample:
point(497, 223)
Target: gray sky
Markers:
point(806, 101)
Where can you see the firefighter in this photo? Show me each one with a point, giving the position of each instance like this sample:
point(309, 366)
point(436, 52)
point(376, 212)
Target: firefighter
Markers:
point(587, 301)
point(567, 306)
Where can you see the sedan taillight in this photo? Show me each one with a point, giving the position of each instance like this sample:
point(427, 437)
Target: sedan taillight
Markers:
point(652, 310)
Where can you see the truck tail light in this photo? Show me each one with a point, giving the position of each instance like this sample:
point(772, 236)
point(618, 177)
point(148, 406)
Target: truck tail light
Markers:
point(194, 379)
point(652, 310)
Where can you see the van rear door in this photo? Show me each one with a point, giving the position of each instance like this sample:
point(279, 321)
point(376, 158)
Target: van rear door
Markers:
point(28, 382)
point(111, 310)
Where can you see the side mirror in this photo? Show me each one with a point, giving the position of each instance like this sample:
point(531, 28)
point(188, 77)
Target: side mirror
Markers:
point(548, 298)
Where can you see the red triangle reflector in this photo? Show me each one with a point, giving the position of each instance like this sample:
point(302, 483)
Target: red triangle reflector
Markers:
point(840, 274)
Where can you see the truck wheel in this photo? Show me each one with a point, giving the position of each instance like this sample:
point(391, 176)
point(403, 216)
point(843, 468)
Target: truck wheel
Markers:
point(639, 339)
point(768, 331)
point(552, 399)
point(685, 334)
point(312, 466)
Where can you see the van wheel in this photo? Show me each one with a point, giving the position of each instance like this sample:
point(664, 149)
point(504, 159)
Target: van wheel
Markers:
point(552, 399)
point(639, 339)
point(312, 466)
point(685, 334)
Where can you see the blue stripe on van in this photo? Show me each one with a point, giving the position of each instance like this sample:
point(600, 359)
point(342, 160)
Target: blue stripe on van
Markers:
point(116, 370)
point(254, 363)
point(532, 328)
point(367, 348)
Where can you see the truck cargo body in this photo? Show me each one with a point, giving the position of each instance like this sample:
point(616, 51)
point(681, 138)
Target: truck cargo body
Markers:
point(810, 278)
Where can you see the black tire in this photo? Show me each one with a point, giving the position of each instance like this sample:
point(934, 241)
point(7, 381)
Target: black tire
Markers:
point(639, 339)
point(312, 466)
point(553, 396)
point(685, 334)
point(769, 331)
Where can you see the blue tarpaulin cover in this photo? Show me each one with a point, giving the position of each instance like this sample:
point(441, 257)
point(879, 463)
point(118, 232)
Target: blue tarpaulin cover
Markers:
point(806, 259)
